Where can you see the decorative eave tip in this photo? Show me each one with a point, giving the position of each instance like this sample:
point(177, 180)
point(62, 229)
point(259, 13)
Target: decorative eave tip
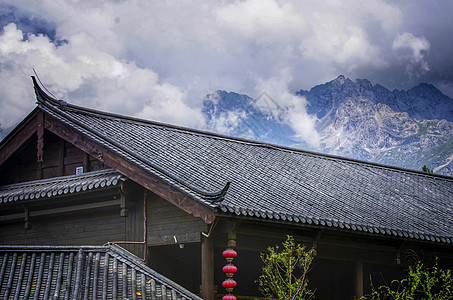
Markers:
point(42, 96)
point(218, 196)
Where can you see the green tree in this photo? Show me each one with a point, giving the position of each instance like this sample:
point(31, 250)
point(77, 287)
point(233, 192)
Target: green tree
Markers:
point(421, 282)
point(284, 274)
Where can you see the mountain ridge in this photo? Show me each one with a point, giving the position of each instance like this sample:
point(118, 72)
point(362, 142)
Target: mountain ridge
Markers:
point(357, 120)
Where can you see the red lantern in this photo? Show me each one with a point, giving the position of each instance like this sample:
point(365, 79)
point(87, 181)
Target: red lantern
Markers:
point(229, 283)
point(229, 254)
point(229, 269)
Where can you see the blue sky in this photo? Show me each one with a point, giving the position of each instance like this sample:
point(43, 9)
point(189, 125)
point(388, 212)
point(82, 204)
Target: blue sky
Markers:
point(158, 59)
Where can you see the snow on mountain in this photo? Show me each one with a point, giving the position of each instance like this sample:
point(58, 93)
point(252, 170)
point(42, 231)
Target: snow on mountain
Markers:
point(355, 119)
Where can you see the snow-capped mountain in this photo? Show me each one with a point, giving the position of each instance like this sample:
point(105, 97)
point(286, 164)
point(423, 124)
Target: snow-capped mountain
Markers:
point(354, 119)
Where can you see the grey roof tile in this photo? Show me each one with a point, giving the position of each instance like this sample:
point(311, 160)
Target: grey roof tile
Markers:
point(57, 186)
point(104, 272)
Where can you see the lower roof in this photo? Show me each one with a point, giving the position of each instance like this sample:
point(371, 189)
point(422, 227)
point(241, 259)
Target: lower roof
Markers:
point(86, 272)
point(59, 186)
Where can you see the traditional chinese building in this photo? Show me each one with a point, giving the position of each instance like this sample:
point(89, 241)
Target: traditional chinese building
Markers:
point(111, 186)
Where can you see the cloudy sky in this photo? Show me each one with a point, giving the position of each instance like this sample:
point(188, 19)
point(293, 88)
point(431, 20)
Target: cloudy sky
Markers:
point(158, 59)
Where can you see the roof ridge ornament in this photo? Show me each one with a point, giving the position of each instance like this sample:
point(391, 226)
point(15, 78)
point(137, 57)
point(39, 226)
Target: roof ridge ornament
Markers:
point(41, 84)
point(44, 95)
point(62, 103)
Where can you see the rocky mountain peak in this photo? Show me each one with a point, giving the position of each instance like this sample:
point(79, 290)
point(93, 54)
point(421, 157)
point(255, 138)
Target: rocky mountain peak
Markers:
point(365, 83)
point(340, 79)
point(356, 119)
point(426, 90)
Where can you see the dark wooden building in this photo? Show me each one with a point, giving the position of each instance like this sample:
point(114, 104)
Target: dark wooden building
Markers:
point(177, 197)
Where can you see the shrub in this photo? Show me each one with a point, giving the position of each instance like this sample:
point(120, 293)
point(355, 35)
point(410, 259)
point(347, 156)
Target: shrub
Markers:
point(421, 282)
point(284, 274)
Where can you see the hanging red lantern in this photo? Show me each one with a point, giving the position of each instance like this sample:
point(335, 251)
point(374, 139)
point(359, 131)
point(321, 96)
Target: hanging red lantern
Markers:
point(229, 283)
point(229, 254)
point(229, 270)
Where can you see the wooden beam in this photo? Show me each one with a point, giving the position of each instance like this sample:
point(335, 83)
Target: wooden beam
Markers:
point(59, 210)
point(207, 268)
point(23, 133)
point(137, 174)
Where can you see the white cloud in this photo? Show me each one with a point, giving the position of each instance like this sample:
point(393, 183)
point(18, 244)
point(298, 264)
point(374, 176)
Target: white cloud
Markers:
point(288, 107)
point(165, 53)
point(418, 48)
point(87, 76)
point(261, 17)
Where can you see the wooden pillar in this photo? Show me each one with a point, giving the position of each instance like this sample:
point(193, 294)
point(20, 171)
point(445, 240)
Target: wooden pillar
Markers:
point(358, 279)
point(207, 268)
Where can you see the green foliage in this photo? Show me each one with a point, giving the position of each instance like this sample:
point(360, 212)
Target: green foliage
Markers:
point(421, 283)
point(426, 169)
point(285, 272)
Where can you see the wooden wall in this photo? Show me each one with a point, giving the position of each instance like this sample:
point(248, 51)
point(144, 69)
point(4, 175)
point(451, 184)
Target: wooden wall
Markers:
point(60, 158)
point(166, 221)
point(90, 227)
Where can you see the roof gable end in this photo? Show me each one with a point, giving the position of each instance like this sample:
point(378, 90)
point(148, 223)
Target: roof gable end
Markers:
point(82, 128)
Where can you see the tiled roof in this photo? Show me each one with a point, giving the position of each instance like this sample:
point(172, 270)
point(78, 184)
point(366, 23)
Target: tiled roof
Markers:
point(53, 187)
point(272, 182)
point(106, 272)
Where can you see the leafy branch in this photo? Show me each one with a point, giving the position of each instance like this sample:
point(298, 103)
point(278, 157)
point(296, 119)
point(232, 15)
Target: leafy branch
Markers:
point(421, 283)
point(284, 274)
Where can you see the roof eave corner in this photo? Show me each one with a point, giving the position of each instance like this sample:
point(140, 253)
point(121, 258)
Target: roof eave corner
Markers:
point(41, 96)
